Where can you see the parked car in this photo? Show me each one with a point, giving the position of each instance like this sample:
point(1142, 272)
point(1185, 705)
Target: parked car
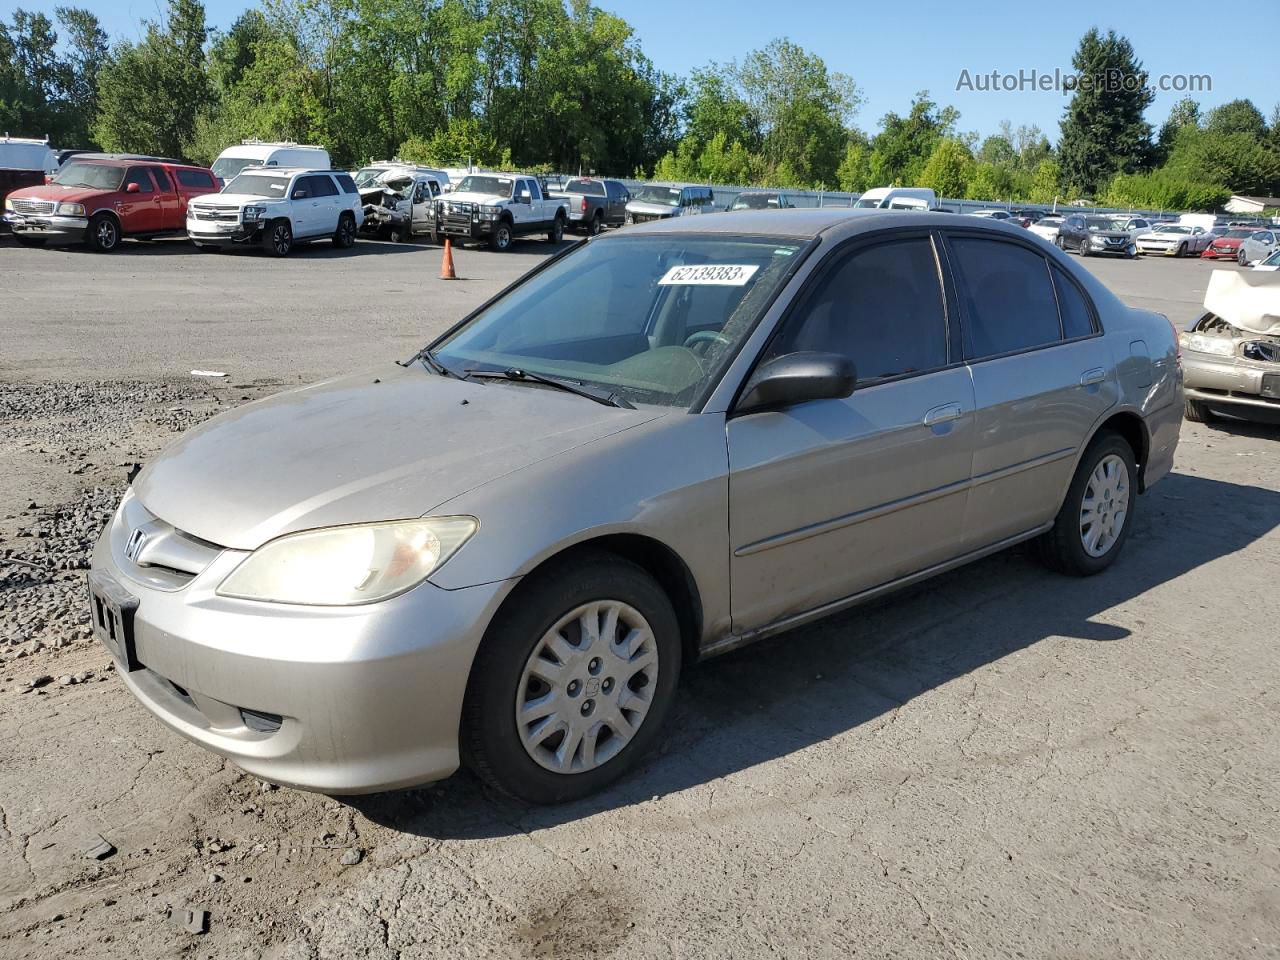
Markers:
point(886, 198)
point(1271, 263)
point(1097, 235)
point(400, 204)
point(260, 153)
point(101, 198)
point(276, 208)
point(1174, 240)
point(663, 201)
point(991, 214)
point(761, 200)
point(498, 207)
point(1231, 354)
point(662, 445)
point(24, 163)
point(380, 170)
point(594, 204)
point(1257, 247)
point(1226, 245)
point(1047, 227)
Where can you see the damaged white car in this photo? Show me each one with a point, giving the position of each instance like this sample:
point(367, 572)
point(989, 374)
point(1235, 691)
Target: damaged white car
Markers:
point(399, 204)
point(1231, 355)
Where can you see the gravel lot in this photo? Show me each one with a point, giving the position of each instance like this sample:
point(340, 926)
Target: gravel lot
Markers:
point(1000, 763)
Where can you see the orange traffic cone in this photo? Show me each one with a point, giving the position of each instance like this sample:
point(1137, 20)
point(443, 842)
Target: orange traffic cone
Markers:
point(446, 265)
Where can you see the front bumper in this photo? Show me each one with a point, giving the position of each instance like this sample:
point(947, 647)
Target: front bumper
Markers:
point(1228, 381)
point(1118, 250)
point(466, 228)
point(223, 233)
point(1159, 249)
point(355, 699)
point(1211, 254)
point(51, 227)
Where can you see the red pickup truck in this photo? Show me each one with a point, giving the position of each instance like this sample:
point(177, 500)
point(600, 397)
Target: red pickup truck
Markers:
point(100, 198)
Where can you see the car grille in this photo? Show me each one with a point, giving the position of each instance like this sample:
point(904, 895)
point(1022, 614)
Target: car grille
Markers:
point(219, 214)
point(158, 553)
point(21, 205)
point(645, 217)
point(1116, 241)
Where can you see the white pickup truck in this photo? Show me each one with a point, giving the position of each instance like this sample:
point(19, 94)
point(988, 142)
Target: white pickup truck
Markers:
point(498, 207)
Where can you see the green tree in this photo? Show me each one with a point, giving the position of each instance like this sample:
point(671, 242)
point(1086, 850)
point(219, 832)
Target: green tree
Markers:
point(150, 93)
point(854, 172)
point(949, 168)
point(1045, 186)
point(904, 144)
point(990, 182)
point(1239, 161)
point(1164, 190)
point(1236, 116)
point(1103, 130)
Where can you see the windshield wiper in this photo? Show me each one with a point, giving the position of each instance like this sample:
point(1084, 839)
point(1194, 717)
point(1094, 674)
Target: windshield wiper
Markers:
point(431, 363)
point(569, 386)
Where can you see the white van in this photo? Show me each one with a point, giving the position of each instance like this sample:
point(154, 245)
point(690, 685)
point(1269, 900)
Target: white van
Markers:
point(898, 198)
point(21, 153)
point(258, 153)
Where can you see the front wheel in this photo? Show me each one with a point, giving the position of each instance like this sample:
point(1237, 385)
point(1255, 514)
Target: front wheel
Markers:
point(1197, 411)
point(1061, 244)
point(279, 239)
point(104, 233)
point(1182, 250)
point(556, 233)
point(1241, 258)
point(573, 680)
point(1094, 521)
point(500, 239)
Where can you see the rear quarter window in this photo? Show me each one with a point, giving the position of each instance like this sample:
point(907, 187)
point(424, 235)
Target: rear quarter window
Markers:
point(1007, 296)
point(1078, 317)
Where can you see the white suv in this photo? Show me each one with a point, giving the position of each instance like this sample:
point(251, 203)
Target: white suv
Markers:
point(276, 207)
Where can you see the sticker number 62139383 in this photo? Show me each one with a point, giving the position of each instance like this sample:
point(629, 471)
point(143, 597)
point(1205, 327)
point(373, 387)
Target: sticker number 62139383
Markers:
point(710, 274)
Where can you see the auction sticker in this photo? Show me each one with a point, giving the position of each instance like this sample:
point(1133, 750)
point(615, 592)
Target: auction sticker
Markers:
point(710, 274)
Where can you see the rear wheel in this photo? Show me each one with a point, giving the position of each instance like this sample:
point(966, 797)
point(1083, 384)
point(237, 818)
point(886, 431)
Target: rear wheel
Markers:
point(104, 233)
point(556, 233)
point(573, 680)
point(345, 236)
point(1094, 521)
point(1197, 411)
point(596, 224)
point(279, 239)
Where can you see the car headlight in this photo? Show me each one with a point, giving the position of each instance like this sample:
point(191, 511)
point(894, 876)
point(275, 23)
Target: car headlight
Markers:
point(344, 566)
point(252, 213)
point(1217, 346)
point(71, 209)
point(488, 213)
point(8, 203)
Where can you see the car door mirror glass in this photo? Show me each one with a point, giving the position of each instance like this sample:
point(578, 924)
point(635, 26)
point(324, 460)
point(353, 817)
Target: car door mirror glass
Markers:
point(299, 194)
point(793, 378)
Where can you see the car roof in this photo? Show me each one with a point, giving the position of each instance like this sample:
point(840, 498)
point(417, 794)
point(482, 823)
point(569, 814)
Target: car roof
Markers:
point(809, 223)
point(287, 171)
point(129, 158)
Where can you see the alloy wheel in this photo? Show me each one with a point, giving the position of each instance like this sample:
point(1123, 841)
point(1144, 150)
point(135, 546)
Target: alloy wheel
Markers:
point(1105, 506)
point(587, 687)
point(107, 235)
point(281, 239)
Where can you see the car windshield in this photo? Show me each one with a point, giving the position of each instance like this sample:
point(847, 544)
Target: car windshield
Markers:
point(99, 176)
point(368, 175)
point(754, 201)
point(496, 186)
point(224, 168)
point(1172, 228)
point(666, 196)
point(257, 185)
point(866, 202)
point(651, 319)
point(589, 188)
point(1105, 223)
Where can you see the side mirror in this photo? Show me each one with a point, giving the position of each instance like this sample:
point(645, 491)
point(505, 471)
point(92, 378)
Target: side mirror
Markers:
point(797, 377)
point(131, 188)
point(299, 194)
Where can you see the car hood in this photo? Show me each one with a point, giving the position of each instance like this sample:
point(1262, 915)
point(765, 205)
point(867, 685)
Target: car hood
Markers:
point(1250, 301)
point(386, 445)
point(234, 199)
point(488, 199)
point(59, 193)
point(1228, 241)
point(1161, 235)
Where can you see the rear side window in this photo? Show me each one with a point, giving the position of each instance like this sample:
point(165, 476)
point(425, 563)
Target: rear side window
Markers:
point(195, 178)
point(346, 183)
point(1077, 317)
point(881, 307)
point(139, 176)
point(321, 186)
point(1008, 297)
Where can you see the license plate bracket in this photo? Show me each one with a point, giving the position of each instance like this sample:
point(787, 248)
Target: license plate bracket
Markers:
point(111, 610)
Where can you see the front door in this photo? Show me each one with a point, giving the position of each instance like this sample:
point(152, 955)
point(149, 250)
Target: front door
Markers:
point(833, 497)
point(140, 210)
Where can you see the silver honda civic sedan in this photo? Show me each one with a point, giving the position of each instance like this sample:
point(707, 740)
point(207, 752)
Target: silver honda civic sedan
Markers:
point(658, 446)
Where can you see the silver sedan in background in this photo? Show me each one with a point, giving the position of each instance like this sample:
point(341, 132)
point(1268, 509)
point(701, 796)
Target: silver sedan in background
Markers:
point(659, 446)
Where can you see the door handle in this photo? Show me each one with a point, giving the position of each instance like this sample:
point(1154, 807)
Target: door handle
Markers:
point(943, 413)
point(1096, 375)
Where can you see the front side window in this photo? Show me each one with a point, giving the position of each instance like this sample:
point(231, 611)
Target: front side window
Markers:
point(650, 318)
point(1008, 299)
point(881, 307)
point(139, 176)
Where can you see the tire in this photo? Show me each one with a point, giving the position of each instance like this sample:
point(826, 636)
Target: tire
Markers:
point(1060, 243)
point(278, 239)
point(1241, 258)
point(1065, 547)
point(501, 238)
point(31, 242)
point(556, 233)
point(103, 233)
point(344, 238)
point(506, 674)
point(1084, 249)
point(596, 226)
point(1197, 411)
point(1181, 251)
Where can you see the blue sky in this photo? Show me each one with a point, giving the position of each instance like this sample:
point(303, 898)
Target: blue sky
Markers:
point(894, 50)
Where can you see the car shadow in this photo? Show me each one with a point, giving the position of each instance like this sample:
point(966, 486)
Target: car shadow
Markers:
point(798, 689)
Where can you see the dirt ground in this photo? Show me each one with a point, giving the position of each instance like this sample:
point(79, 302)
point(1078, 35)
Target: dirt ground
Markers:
point(1000, 763)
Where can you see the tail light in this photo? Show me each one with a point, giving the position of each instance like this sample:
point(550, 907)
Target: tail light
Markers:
point(583, 206)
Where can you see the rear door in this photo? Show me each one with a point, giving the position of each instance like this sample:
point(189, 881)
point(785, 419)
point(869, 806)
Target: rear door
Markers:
point(327, 203)
point(172, 211)
point(140, 210)
point(1042, 377)
point(617, 202)
point(833, 497)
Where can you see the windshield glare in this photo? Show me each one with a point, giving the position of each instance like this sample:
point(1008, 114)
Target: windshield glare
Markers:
point(667, 196)
point(1101, 223)
point(755, 201)
point(96, 175)
point(651, 319)
point(497, 186)
point(257, 185)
